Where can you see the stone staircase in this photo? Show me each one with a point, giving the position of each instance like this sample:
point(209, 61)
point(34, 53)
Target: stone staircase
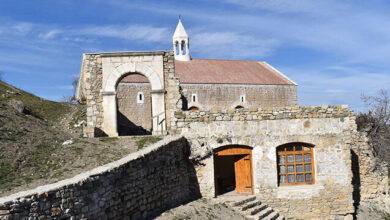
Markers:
point(252, 208)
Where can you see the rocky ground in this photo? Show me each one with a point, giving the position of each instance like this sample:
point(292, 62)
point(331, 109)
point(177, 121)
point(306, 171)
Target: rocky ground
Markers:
point(40, 142)
point(201, 209)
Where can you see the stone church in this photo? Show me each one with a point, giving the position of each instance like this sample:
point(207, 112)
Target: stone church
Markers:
point(140, 100)
point(241, 120)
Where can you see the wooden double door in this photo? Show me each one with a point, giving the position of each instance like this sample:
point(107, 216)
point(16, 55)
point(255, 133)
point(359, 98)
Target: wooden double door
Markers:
point(233, 170)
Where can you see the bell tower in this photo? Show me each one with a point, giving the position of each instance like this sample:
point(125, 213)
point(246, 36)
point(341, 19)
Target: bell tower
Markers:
point(181, 45)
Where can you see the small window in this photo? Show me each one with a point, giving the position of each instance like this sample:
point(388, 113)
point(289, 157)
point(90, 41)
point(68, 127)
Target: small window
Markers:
point(295, 164)
point(140, 98)
point(194, 97)
point(239, 107)
point(242, 98)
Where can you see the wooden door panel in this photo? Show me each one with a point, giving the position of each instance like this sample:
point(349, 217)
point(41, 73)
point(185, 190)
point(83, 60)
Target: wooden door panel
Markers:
point(243, 173)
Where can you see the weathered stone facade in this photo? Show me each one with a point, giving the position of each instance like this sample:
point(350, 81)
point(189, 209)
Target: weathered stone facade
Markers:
point(172, 95)
point(90, 92)
point(227, 96)
point(134, 116)
point(328, 128)
point(371, 178)
point(139, 186)
point(99, 77)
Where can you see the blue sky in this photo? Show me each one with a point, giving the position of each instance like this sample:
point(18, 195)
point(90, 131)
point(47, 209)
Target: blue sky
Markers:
point(335, 50)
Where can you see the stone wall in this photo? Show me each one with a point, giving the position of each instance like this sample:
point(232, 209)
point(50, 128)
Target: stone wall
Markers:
point(139, 186)
point(328, 128)
point(371, 177)
point(226, 96)
point(134, 118)
point(90, 84)
point(173, 102)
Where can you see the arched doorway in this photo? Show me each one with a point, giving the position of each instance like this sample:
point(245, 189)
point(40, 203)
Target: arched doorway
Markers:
point(233, 170)
point(109, 84)
point(134, 105)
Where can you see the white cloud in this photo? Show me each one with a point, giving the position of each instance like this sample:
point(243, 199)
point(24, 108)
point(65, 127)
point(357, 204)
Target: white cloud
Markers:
point(50, 34)
point(335, 91)
point(127, 32)
point(336, 85)
point(231, 45)
point(23, 27)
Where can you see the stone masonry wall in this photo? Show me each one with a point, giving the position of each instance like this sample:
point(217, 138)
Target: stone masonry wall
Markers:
point(225, 96)
point(371, 181)
point(134, 118)
point(328, 128)
point(91, 72)
point(184, 118)
point(139, 186)
point(173, 102)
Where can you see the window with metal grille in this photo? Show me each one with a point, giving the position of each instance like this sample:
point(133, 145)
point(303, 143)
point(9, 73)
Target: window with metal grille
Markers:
point(295, 164)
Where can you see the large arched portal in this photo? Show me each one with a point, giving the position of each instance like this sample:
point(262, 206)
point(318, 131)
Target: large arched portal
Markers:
point(110, 82)
point(233, 171)
point(134, 105)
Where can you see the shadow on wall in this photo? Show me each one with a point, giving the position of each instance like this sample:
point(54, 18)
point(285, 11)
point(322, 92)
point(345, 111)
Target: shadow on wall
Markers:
point(355, 181)
point(128, 128)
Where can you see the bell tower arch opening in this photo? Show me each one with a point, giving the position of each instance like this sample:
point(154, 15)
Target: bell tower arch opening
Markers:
point(233, 170)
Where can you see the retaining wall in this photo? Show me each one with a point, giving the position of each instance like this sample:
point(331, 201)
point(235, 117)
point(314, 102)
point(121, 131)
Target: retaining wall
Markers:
point(139, 186)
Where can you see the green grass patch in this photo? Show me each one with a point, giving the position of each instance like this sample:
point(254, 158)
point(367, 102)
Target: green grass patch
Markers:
point(27, 179)
point(77, 150)
point(141, 143)
point(41, 154)
point(6, 172)
point(108, 139)
point(42, 108)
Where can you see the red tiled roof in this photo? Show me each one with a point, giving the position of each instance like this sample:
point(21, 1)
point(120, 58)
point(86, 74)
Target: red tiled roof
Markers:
point(138, 78)
point(209, 71)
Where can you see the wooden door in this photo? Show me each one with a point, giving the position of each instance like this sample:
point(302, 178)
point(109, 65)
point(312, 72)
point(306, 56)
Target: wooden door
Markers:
point(243, 171)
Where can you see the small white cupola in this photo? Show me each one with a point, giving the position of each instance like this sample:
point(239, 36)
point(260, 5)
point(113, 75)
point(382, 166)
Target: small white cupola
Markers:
point(181, 45)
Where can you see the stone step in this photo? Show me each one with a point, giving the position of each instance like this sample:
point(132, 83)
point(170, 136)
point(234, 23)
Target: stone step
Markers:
point(272, 216)
point(246, 200)
point(250, 205)
point(281, 217)
point(256, 209)
point(263, 213)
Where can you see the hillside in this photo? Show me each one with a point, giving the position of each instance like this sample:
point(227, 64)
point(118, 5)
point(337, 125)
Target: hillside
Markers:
point(32, 133)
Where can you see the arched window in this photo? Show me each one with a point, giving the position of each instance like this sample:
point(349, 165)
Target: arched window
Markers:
point(177, 49)
point(184, 47)
point(239, 107)
point(194, 108)
point(295, 164)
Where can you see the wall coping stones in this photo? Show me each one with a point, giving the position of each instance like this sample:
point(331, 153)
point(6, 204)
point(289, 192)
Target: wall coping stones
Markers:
point(129, 53)
point(278, 113)
point(84, 176)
